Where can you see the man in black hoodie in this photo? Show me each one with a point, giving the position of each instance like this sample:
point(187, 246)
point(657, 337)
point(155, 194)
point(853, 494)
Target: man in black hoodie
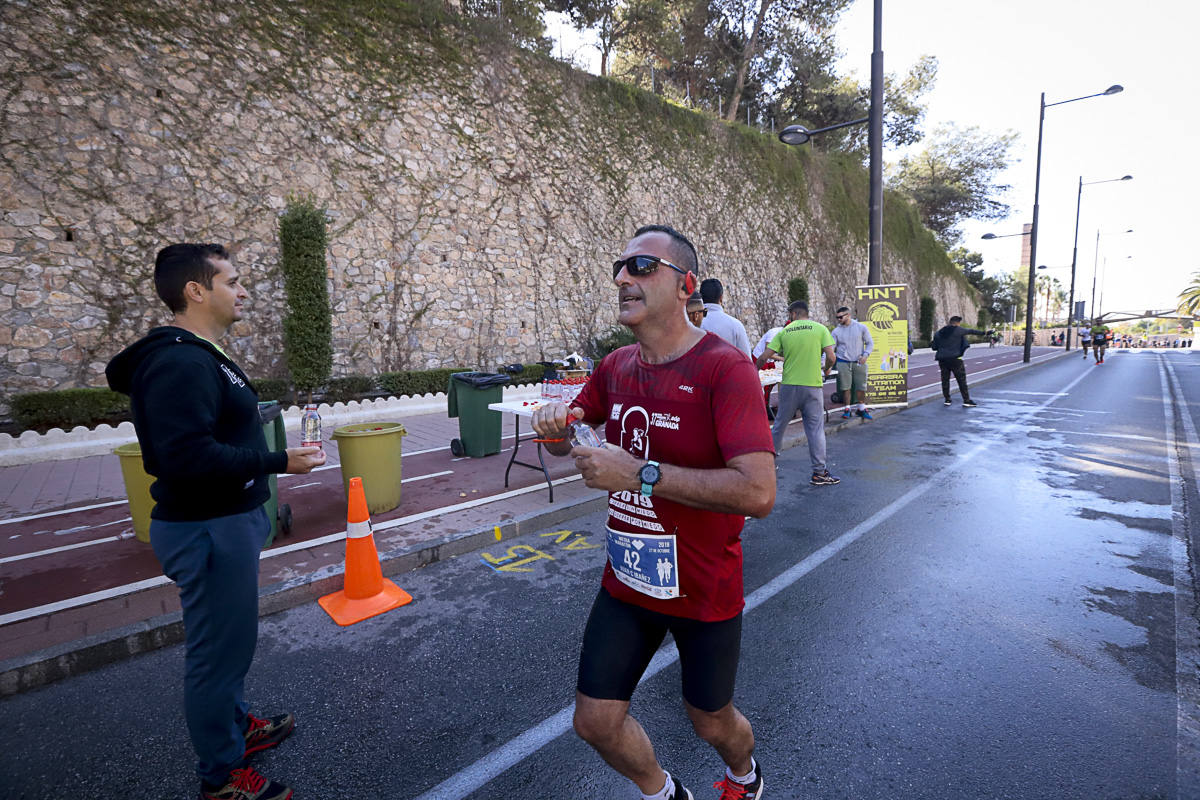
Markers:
point(950, 342)
point(196, 417)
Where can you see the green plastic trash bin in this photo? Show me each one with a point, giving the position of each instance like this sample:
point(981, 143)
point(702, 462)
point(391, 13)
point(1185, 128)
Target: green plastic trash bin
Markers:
point(271, 415)
point(137, 489)
point(371, 451)
point(468, 397)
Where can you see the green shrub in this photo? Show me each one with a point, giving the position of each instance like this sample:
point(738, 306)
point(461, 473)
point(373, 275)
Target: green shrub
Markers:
point(308, 326)
point(351, 387)
point(612, 339)
point(417, 382)
point(272, 389)
point(67, 408)
point(925, 325)
point(797, 290)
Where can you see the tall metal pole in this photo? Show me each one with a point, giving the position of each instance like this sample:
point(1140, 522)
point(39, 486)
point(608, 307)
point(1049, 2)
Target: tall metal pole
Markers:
point(1074, 258)
point(875, 147)
point(1033, 232)
point(1095, 270)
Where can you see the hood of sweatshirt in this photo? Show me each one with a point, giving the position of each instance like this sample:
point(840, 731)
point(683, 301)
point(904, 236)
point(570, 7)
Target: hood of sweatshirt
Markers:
point(121, 368)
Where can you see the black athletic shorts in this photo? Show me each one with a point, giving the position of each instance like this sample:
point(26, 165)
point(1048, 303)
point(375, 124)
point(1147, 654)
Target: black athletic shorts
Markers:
point(620, 639)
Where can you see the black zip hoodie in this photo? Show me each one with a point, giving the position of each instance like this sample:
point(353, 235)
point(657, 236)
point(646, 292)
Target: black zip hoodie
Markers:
point(196, 417)
point(950, 341)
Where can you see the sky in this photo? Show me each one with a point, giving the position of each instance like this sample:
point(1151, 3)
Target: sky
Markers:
point(995, 58)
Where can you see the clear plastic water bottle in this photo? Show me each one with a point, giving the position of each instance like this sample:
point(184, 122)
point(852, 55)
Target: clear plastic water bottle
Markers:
point(310, 427)
point(583, 435)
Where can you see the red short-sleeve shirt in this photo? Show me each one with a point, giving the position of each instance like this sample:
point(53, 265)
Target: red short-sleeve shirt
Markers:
point(700, 410)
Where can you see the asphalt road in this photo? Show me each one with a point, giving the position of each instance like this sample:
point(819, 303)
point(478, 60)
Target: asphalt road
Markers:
point(994, 603)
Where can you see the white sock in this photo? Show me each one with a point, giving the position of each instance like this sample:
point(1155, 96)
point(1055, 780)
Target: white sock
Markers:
point(862, 406)
point(743, 779)
point(665, 793)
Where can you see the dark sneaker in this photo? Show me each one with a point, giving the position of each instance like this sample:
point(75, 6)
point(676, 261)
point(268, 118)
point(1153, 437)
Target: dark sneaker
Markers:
point(824, 479)
point(246, 784)
point(970, 404)
point(846, 414)
point(946, 402)
point(680, 792)
point(264, 733)
point(732, 790)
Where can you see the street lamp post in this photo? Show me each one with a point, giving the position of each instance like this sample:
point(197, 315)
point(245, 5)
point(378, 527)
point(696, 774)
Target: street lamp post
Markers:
point(875, 149)
point(990, 236)
point(1096, 270)
point(1037, 187)
point(798, 134)
point(1075, 250)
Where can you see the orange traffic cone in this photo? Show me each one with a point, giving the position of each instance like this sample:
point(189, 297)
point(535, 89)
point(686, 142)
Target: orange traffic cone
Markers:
point(366, 592)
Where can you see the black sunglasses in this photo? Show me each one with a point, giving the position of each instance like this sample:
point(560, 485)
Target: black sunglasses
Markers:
point(638, 266)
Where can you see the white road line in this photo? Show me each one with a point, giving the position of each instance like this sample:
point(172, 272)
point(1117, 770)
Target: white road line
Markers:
point(1043, 394)
point(411, 518)
point(130, 588)
point(57, 513)
point(64, 548)
point(1187, 633)
point(83, 600)
point(117, 539)
point(427, 477)
point(463, 783)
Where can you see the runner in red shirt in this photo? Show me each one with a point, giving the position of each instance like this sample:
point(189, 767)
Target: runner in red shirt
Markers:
point(689, 456)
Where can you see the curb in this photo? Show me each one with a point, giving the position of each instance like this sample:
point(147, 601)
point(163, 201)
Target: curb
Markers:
point(69, 659)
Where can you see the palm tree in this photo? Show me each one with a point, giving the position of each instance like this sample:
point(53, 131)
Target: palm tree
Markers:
point(1043, 287)
point(1189, 298)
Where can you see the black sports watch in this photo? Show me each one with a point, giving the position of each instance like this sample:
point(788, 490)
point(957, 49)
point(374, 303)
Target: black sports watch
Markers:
point(649, 475)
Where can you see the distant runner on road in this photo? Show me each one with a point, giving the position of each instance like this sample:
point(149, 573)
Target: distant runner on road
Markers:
point(1085, 338)
point(1100, 335)
point(689, 457)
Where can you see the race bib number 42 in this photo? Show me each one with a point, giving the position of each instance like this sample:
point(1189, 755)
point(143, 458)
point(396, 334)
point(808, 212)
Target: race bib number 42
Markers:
point(645, 563)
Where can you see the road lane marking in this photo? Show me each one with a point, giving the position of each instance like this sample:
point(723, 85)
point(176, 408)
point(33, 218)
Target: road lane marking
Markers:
point(427, 477)
point(63, 549)
point(470, 779)
point(411, 518)
point(149, 583)
point(60, 512)
point(53, 550)
point(1187, 633)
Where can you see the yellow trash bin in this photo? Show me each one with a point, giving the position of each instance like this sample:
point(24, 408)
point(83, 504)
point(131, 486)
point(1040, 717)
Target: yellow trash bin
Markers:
point(371, 451)
point(137, 489)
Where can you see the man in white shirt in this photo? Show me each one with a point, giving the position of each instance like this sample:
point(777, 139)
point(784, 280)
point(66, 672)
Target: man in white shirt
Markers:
point(717, 321)
point(758, 351)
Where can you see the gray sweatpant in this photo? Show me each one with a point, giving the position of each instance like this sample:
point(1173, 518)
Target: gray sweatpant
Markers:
point(811, 404)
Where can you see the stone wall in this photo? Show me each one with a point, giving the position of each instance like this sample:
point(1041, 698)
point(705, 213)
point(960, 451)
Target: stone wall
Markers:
point(477, 194)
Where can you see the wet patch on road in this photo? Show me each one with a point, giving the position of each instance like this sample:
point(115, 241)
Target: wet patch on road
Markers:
point(1151, 662)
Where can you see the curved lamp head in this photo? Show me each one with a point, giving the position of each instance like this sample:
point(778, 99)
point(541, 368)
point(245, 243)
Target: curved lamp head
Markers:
point(794, 135)
point(1127, 178)
point(988, 236)
point(1116, 88)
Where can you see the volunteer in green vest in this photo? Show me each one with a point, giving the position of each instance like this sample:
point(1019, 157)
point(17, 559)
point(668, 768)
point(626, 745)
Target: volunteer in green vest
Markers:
point(803, 343)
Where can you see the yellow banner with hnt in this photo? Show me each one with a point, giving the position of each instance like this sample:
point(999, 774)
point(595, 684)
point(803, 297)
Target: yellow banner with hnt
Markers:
point(884, 310)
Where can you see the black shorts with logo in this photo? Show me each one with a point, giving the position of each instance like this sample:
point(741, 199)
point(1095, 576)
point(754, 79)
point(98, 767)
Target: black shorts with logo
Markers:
point(620, 639)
